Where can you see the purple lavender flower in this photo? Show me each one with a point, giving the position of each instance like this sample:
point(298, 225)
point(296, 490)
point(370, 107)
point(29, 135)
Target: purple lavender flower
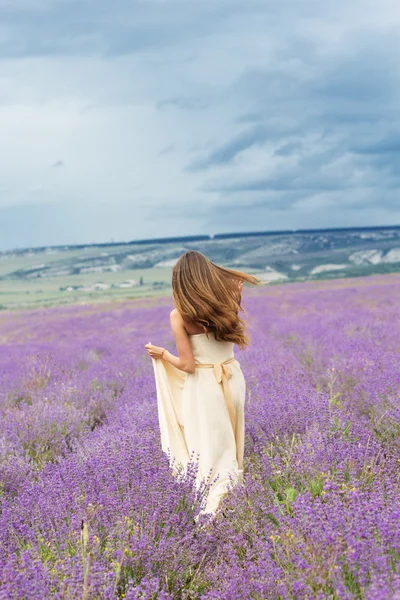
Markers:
point(318, 514)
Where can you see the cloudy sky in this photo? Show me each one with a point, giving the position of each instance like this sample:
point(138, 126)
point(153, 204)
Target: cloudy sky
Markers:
point(148, 118)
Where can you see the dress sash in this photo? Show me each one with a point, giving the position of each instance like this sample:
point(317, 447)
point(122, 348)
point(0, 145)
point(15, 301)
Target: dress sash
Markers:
point(223, 373)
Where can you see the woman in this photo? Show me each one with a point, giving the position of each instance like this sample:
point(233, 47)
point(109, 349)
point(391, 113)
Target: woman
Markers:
point(201, 392)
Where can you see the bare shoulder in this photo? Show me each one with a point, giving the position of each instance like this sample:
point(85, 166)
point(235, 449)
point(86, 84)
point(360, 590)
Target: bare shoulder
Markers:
point(177, 323)
point(176, 317)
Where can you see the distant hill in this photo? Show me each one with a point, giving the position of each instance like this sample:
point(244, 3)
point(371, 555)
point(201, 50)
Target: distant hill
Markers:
point(56, 274)
point(217, 236)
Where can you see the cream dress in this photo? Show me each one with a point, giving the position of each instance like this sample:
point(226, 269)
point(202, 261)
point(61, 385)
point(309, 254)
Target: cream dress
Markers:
point(201, 414)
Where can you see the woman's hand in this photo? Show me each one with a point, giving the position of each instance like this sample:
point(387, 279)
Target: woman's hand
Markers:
point(239, 283)
point(154, 351)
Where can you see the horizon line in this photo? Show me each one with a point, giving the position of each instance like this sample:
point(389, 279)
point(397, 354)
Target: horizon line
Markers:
point(200, 237)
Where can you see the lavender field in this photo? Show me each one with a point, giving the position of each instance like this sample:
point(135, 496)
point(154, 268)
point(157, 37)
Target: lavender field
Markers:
point(90, 510)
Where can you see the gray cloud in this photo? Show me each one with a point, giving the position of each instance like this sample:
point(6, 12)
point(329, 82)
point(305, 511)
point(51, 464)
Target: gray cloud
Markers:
point(46, 223)
point(195, 110)
point(288, 149)
point(182, 103)
point(256, 136)
point(58, 164)
point(390, 144)
point(338, 113)
point(73, 27)
point(167, 149)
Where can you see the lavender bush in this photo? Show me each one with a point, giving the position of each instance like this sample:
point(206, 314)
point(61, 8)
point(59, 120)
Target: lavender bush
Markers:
point(89, 509)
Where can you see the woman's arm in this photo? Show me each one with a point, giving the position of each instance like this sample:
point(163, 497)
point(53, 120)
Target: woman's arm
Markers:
point(185, 359)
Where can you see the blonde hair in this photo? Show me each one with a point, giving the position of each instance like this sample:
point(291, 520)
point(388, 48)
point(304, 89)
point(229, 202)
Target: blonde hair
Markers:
point(208, 295)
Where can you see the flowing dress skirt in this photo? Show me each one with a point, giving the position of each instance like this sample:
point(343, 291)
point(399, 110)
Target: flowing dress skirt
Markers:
point(195, 415)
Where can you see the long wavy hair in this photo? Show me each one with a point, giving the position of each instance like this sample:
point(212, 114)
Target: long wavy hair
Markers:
point(208, 295)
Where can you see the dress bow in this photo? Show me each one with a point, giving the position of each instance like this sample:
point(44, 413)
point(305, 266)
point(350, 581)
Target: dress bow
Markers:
point(222, 371)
